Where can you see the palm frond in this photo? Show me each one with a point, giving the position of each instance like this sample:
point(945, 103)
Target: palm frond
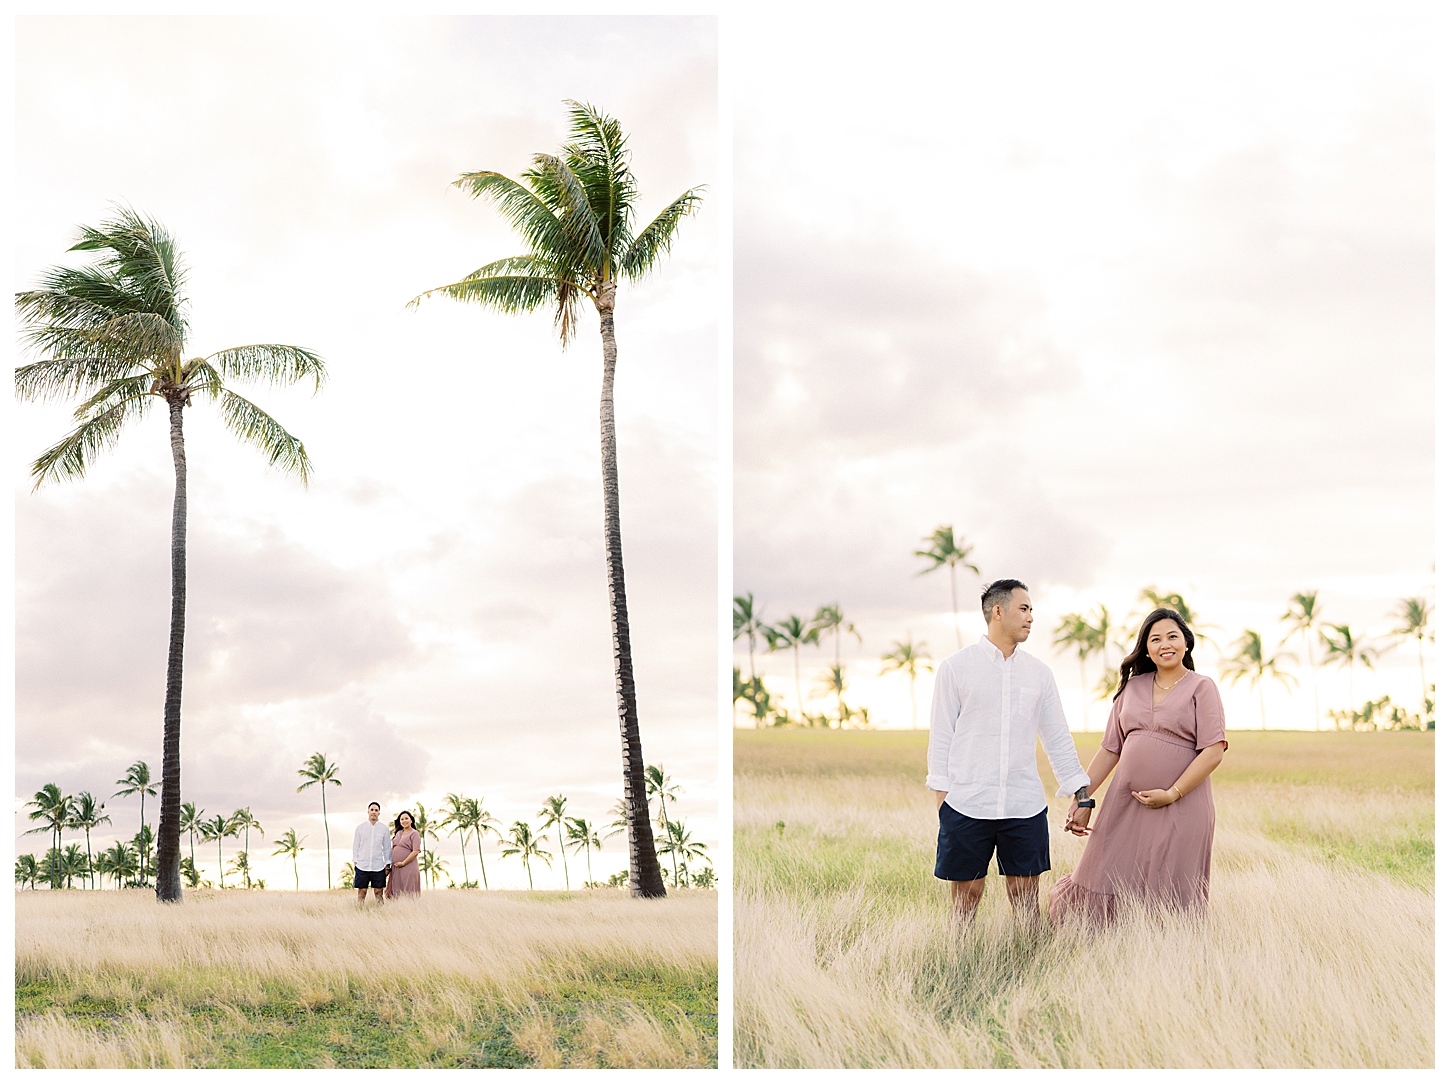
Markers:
point(80, 448)
point(256, 427)
point(654, 241)
point(59, 378)
point(270, 362)
point(141, 253)
point(559, 187)
point(505, 293)
point(525, 211)
point(113, 393)
point(599, 157)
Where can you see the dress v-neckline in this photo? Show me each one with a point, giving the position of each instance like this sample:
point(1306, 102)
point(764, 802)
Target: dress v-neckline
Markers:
point(1153, 702)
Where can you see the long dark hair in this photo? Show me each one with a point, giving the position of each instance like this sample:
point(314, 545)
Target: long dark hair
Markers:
point(398, 821)
point(1137, 661)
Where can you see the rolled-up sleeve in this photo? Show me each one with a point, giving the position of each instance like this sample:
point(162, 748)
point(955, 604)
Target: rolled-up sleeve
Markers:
point(945, 706)
point(1058, 744)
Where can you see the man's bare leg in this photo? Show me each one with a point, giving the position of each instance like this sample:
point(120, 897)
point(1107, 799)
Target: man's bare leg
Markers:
point(1022, 891)
point(378, 892)
point(362, 895)
point(965, 897)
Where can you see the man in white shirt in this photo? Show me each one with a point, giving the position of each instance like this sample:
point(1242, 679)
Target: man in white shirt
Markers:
point(372, 855)
point(990, 705)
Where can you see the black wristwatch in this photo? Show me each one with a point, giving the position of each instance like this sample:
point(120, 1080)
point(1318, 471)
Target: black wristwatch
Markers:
point(1083, 801)
point(1087, 803)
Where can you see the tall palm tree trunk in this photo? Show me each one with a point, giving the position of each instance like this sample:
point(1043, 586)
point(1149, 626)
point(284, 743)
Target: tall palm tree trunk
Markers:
point(296, 877)
point(483, 873)
point(90, 866)
point(463, 846)
point(800, 703)
point(559, 826)
point(644, 866)
point(326, 834)
point(168, 842)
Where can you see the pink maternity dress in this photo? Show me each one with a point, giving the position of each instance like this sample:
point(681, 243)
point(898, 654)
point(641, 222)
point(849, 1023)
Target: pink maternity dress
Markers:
point(1159, 855)
point(405, 880)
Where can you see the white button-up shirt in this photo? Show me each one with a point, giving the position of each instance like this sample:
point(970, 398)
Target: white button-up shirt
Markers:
point(372, 846)
point(987, 712)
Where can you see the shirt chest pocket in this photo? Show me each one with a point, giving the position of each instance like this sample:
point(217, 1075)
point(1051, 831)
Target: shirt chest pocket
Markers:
point(1027, 701)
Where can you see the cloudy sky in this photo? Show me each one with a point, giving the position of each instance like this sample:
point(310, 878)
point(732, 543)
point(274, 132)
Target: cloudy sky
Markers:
point(1130, 298)
point(432, 611)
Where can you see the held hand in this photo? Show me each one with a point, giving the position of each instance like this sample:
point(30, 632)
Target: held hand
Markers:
point(1154, 799)
point(1077, 822)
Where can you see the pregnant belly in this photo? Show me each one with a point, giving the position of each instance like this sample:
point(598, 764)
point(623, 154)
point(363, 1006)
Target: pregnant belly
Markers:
point(1149, 763)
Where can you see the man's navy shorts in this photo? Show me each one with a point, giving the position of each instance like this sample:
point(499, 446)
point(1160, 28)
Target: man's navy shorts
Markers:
point(370, 878)
point(964, 845)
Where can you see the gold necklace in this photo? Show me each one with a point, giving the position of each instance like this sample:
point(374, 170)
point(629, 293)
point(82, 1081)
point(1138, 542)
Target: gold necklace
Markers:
point(1170, 688)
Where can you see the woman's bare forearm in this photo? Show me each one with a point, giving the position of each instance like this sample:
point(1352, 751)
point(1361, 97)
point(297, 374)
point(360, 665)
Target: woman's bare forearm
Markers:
point(1201, 768)
point(1101, 767)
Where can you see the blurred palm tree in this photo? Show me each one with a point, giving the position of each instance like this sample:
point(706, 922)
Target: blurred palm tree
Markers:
point(582, 837)
point(1074, 631)
point(431, 866)
point(682, 848)
point(830, 619)
point(1414, 617)
point(189, 873)
point(460, 817)
point(27, 871)
point(289, 846)
point(346, 875)
point(243, 820)
point(526, 845)
point(137, 780)
point(1303, 615)
point(53, 810)
point(748, 623)
point(793, 632)
point(73, 864)
point(119, 861)
point(86, 814)
point(1250, 661)
point(659, 785)
point(833, 683)
point(115, 334)
point(424, 824)
point(242, 866)
point(944, 549)
point(620, 821)
point(553, 814)
point(1343, 648)
point(705, 878)
point(577, 216)
point(318, 771)
point(191, 819)
point(911, 657)
point(218, 828)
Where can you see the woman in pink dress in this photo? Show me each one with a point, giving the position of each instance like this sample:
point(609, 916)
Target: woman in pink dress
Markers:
point(404, 879)
point(1154, 834)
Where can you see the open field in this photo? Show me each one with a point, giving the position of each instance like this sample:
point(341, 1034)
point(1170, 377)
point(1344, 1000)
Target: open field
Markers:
point(454, 979)
point(1317, 949)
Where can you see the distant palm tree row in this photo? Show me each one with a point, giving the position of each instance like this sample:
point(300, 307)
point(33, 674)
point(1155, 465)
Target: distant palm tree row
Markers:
point(1091, 635)
point(127, 863)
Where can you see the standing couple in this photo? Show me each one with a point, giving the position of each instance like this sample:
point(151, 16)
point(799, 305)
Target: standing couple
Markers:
point(386, 859)
point(1154, 834)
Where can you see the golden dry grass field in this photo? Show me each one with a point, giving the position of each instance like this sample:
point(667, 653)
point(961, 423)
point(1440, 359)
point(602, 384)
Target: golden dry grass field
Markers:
point(1317, 949)
point(278, 979)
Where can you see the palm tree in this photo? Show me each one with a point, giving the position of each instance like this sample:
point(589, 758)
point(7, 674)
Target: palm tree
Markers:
point(191, 819)
point(318, 771)
point(189, 873)
point(480, 821)
point(944, 549)
point(680, 846)
point(582, 837)
point(1344, 649)
point(244, 821)
point(53, 809)
point(830, 619)
point(1073, 630)
point(833, 683)
point(242, 866)
point(576, 216)
point(1414, 617)
point(289, 846)
point(121, 861)
point(137, 780)
point(1250, 661)
point(748, 623)
point(114, 334)
point(620, 822)
point(526, 845)
point(460, 817)
point(793, 632)
point(27, 871)
point(431, 866)
point(705, 878)
point(86, 814)
point(553, 814)
point(424, 824)
point(219, 828)
point(911, 657)
point(1303, 614)
point(659, 785)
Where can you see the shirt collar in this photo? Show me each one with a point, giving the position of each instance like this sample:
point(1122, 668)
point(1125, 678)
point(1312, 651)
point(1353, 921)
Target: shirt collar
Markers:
point(995, 653)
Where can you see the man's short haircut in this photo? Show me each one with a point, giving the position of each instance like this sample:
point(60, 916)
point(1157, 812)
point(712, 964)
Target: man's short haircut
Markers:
point(998, 593)
point(371, 804)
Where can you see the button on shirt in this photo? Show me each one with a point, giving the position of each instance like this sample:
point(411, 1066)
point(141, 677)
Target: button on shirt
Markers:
point(372, 846)
point(987, 713)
